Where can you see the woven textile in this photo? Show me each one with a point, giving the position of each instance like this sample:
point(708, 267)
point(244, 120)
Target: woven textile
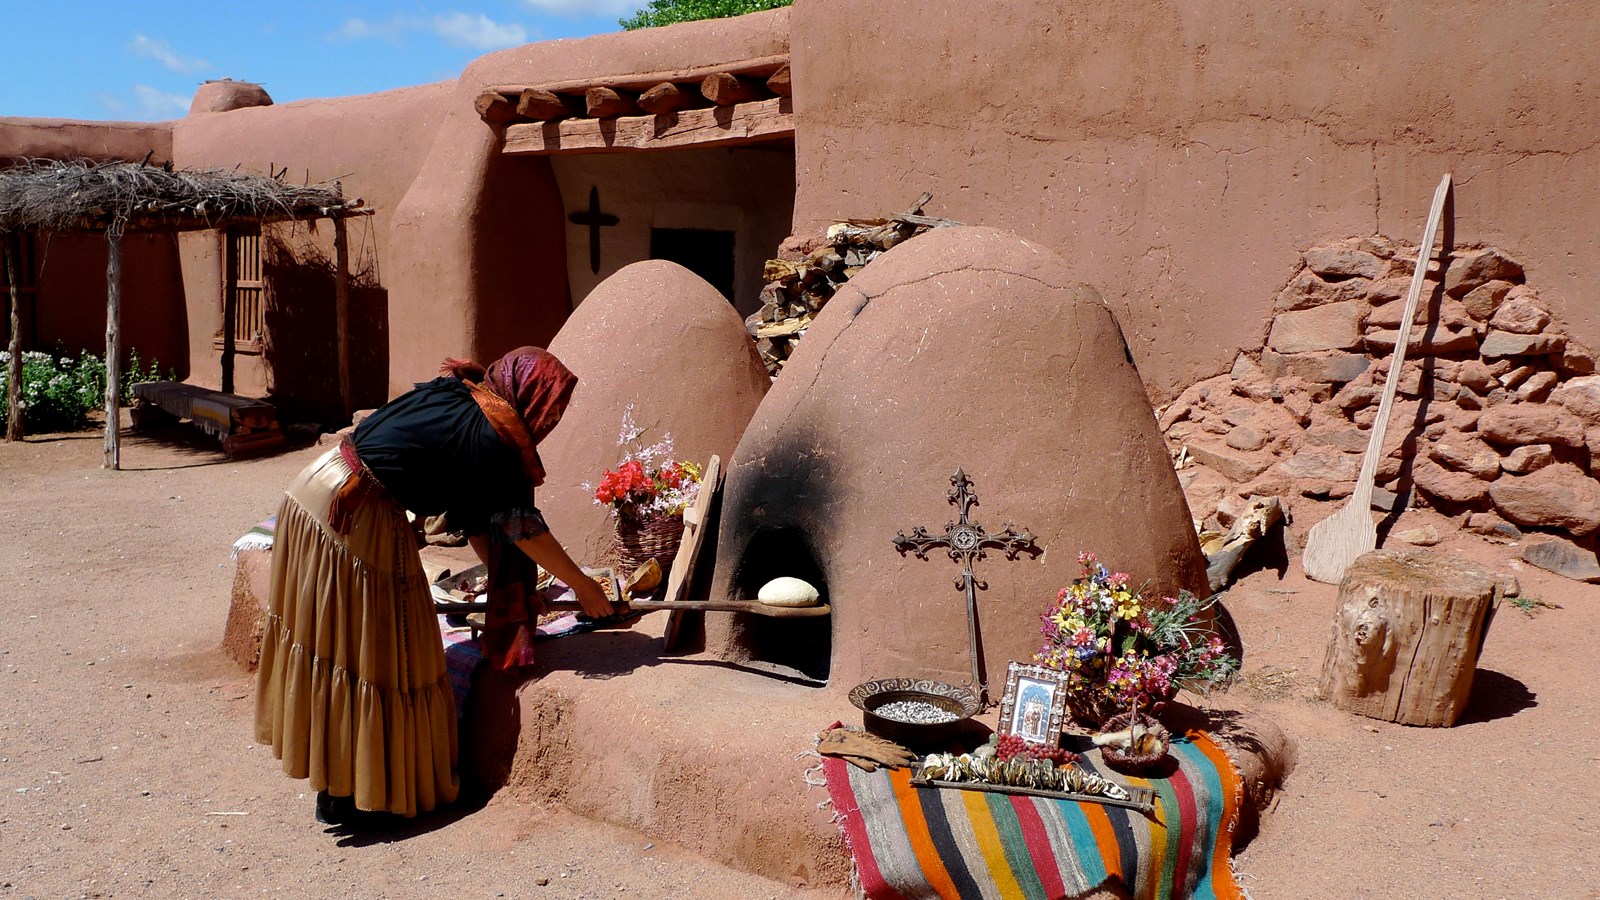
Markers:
point(259, 537)
point(910, 843)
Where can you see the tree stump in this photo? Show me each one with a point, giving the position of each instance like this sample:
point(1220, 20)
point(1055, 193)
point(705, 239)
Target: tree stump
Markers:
point(1406, 636)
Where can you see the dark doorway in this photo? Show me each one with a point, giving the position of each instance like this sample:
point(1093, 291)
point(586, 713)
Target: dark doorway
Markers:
point(705, 252)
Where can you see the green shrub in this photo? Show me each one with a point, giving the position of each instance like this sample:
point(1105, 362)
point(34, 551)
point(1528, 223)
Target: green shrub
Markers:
point(666, 12)
point(59, 392)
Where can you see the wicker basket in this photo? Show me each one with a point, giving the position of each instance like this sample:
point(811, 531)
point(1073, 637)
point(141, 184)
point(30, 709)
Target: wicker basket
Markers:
point(654, 536)
point(1128, 762)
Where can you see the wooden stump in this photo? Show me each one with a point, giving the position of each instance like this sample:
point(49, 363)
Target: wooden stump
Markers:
point(1406, 636)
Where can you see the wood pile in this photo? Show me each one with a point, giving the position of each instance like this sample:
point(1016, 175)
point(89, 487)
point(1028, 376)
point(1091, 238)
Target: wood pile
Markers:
point(800, 283)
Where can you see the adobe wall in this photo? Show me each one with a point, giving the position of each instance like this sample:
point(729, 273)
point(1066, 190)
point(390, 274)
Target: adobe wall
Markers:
point(375, 145)
point(490, 230)
point(1181, 155)
point(34, 138)
point(746, 190)
point(71, 269)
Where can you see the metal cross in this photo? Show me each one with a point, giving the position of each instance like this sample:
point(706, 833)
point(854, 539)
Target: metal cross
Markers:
point(964, 541)
point(593, 218)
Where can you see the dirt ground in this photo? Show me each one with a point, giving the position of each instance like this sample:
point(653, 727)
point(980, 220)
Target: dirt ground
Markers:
point(127, 764)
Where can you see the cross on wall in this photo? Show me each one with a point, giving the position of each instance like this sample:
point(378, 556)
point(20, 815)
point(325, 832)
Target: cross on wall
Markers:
point(595, 219)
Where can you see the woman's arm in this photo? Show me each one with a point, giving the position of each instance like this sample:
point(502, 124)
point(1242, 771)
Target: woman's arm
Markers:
point(548, 552)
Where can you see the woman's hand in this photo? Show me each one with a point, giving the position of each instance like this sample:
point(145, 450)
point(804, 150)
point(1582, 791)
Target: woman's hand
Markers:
point(596, 603)
point(548, 552)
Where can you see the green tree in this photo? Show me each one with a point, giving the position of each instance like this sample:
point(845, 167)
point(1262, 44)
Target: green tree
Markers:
point(666, 12)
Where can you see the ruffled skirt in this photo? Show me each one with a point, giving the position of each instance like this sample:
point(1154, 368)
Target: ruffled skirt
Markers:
point(352, 691)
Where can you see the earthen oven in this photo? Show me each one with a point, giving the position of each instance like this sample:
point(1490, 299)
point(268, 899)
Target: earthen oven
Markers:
point(969, 348)
point(658, 338)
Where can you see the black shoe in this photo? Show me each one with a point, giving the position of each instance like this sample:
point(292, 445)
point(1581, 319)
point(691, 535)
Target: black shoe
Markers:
point(342, 811)
point(333, 810)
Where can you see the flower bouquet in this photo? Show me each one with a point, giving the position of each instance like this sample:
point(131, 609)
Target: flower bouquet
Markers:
point(646, 494)
point(1122, 650)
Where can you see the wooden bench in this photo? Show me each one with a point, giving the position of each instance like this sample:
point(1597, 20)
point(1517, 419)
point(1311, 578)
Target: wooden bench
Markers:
point(243, 424)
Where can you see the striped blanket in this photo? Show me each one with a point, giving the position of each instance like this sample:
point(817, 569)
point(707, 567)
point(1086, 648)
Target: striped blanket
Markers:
point(258, 537)
point(910, 843)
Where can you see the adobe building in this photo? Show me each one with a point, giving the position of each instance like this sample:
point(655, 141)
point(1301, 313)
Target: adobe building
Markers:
point(1181, 159)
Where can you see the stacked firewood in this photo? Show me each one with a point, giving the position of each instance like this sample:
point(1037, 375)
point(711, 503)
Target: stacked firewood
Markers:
point(801, 281)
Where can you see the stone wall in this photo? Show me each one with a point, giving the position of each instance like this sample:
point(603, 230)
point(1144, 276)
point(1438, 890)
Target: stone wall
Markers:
point(1181, 155)
point(1496, 419)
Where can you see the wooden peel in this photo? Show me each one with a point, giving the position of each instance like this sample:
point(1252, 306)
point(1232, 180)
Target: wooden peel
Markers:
point(1336, 542)
point(681, 574)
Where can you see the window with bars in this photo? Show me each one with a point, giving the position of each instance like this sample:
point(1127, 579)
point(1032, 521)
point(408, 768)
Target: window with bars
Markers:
point(243, 290)
point(25, 255)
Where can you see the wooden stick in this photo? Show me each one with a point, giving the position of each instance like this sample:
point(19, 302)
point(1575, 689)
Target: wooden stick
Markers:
point(724, 89)
point(1336, 542)
point(230, 308)
point(605, 103)
point(779, 84)
point(341, 295)
point(544, 106)
point(495, 108)
point(1140, 798)
point(113, 457)
point(14, 366)
point(667, 97)
point(744, 606)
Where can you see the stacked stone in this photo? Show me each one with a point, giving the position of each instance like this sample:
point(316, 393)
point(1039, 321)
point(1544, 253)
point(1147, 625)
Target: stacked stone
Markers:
point(802, 280)
point(1496, 420)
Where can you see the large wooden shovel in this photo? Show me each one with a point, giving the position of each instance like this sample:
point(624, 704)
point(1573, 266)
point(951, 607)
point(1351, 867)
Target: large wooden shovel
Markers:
point(1336, 541)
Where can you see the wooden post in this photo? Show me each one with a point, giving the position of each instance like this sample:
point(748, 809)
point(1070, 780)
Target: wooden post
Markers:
point(113, 459)
point(14, 367)
point(230, 307)
point(1406, 636)
point(341, 294)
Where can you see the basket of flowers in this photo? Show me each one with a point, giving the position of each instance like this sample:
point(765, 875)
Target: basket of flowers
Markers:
point(1121, 649)
point(646, 493)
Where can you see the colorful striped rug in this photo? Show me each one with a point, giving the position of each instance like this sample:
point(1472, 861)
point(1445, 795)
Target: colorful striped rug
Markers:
point(910, 843)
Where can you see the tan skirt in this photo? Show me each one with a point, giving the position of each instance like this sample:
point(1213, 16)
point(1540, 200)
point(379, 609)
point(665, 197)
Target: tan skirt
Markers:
point(352, 690)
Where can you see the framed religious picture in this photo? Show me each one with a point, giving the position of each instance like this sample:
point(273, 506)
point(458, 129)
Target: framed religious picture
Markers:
point(1035, 704)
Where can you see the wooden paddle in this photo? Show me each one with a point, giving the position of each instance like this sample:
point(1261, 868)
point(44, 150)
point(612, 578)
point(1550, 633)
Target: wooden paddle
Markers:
point(1335, 542)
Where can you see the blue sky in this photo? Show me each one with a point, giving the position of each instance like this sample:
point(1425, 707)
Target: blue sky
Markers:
point(120, 59)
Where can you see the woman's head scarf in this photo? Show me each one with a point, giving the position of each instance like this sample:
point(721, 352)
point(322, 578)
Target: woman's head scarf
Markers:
point(535, 388)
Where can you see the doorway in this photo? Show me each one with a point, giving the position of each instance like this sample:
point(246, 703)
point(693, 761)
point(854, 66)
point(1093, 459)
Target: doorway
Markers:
point(705, 252)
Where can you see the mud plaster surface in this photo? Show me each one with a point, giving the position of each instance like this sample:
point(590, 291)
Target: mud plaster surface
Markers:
point(128, 571)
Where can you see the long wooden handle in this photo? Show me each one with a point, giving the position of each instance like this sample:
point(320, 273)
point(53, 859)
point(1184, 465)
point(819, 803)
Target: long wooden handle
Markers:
point(745, 606)
point(1362, 498)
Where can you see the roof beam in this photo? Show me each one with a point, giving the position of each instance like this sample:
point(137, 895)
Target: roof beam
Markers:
point(745, 123)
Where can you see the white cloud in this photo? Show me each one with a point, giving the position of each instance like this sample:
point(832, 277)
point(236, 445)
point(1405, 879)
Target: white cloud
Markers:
point(162, 52)
point(356, 29)
point(477, 31)
point(146, 103)
point(474, 30)
point(153, 104)
point(595, 7)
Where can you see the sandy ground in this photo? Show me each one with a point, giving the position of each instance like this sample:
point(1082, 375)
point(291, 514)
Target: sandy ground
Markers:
point(127, 765)
point(127, 762)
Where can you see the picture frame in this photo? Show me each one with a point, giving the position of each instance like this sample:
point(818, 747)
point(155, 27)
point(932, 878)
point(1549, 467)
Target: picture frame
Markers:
point(1034, 706)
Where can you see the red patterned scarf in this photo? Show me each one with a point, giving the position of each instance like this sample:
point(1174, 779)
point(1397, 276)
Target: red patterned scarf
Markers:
point(523, 395)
